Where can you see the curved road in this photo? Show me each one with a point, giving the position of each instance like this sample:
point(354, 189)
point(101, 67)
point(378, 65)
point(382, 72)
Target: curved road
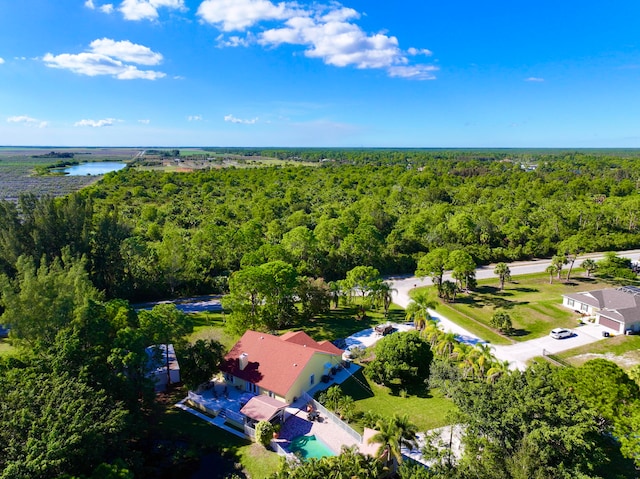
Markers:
point(517, 354)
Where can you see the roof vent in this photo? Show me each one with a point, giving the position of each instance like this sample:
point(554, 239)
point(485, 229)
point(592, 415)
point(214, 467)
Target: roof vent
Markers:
point(243, 360)
point(295, 365)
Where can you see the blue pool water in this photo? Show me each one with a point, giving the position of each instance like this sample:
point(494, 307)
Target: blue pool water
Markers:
point(310, 447)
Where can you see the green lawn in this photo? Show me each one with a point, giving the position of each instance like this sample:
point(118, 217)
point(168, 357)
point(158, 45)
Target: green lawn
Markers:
point(535, 306)
point(342, 322)
point(427, 411)
point(5, 347)
point(204, 438)
point(623, 350)
point(210, 325)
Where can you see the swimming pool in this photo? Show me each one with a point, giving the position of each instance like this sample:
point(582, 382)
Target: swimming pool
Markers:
point(310, 447)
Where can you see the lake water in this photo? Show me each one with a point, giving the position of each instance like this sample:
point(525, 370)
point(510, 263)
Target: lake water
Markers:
point(98, 168)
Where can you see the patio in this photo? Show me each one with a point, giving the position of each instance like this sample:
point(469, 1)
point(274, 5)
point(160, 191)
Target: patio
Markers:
point(217, 395)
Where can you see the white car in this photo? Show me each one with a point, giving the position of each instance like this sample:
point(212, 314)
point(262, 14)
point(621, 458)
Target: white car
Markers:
point(560, 333)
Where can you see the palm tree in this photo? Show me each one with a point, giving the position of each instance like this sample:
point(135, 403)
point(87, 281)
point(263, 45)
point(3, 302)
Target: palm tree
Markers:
point(445, 345)
point(335, 289)
point(484, 358)
point(431, 332)
point(559, 261)
point(551, 270)
point(589, 266)
point(498, 369)
point(449, 290)
point(418, 309)
point(383, 293)
point(392, 435)
point(503, 272)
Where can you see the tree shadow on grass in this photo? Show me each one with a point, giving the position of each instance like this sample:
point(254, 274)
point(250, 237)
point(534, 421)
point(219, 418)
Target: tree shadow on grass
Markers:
point(419, 390)
point(518, 333)
point(526, 290)
point(357, 386)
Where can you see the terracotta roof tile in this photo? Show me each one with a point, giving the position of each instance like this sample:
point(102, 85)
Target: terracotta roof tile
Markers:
point(274, 362)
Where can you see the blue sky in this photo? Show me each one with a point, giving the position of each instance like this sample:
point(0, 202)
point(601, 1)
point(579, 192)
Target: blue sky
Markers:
point(351, 74)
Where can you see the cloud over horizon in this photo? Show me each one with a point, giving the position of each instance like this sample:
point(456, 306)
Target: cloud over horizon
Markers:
point(96, 123)
point(233, 119)
point(28, 121)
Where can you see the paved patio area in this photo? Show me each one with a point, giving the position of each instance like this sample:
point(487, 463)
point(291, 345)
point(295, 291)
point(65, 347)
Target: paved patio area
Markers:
point(217, 396)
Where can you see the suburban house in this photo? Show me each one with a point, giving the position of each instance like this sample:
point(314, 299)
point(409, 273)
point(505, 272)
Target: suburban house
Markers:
point(280, 367)
point(614, 308)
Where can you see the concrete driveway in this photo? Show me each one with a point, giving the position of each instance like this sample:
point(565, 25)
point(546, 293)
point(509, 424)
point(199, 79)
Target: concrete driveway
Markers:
point(518, 354)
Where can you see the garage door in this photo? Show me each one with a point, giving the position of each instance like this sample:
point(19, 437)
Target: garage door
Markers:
point(610, 323)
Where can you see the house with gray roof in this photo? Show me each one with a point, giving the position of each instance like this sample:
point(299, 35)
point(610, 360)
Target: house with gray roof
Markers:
point(617, 309)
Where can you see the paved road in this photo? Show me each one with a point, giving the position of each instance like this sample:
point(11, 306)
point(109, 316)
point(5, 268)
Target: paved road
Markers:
point(517, 354)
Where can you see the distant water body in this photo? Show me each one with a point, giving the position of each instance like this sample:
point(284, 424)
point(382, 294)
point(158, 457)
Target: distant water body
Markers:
point(98, 168)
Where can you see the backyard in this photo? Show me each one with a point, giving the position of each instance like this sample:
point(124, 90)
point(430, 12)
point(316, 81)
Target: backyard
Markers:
point(426, 409)
point(207, 448)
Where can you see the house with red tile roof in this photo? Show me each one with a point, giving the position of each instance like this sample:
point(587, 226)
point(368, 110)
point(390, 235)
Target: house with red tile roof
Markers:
point(282, 367)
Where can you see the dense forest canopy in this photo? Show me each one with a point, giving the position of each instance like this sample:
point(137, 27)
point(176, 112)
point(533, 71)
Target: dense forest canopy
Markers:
point(153, 234)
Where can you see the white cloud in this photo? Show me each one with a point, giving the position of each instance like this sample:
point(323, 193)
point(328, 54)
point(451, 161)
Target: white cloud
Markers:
point(336, 41)
point(126, 51)
point(147, 9)
point(413, 72)
point(89, 4)
point(234, 41)
point(107, 8)
point(230, 15)
point(144, 122)
point(96, 123)
point(419, 51)
point(27, 120)
point(108, 57)
point(534, 79)
point(328, 32)
point(233, 119)
point(194, 118)
point(1, 60)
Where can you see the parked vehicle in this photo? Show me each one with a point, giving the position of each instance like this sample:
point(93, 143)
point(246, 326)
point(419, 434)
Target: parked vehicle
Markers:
point(559, 333)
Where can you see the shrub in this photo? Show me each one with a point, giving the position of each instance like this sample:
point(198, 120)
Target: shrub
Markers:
point(264, 433)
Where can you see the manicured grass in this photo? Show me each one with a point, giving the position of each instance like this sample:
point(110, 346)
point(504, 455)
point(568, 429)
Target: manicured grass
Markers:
point(210, 325)
point(5, 347)
point(343, 322)
point(206, 438)
point(623, 350)
point(473, 325)
point(427, 410)
point(535, 306)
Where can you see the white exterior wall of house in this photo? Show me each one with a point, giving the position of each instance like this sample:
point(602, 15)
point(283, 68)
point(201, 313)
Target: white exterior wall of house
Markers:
point(576, 305)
